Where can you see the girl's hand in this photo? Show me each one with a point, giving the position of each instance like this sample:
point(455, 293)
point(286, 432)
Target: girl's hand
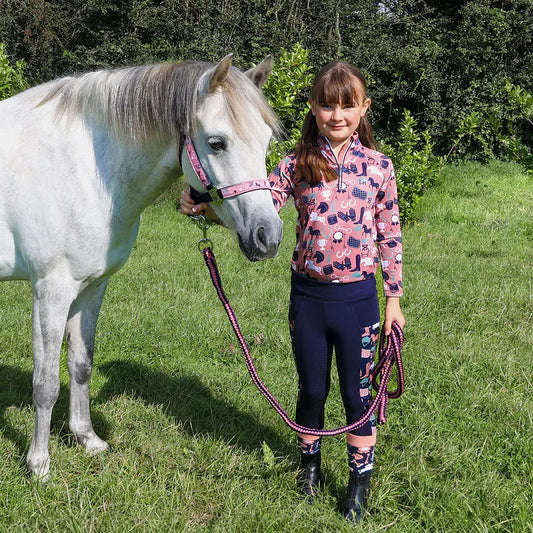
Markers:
point(393, 313)
point(188, 207)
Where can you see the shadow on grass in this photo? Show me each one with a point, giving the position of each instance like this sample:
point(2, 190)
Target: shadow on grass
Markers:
point(15, 393)
point(183, 397)
point(190, 403)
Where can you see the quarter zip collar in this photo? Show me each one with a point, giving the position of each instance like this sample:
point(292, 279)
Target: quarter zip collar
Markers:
point(329, 154)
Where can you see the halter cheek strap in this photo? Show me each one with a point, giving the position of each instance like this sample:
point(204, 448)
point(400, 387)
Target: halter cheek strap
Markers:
point(213, 194)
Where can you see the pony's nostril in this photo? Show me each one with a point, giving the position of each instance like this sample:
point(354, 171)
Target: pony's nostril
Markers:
point(261, 237)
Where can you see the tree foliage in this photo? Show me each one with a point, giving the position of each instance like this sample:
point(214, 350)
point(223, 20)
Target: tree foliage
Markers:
point(286, 91)
point(449, 63)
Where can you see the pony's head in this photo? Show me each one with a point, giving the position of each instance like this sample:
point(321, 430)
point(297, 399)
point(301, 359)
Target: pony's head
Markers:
point(231, 130)
point(221, 109)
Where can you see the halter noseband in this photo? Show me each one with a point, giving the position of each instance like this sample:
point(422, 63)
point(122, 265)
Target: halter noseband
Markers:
point(213, 194)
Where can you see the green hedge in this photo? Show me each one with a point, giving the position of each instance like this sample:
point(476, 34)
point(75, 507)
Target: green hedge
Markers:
point(12, 79)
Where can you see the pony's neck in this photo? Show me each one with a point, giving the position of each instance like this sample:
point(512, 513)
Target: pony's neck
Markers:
point(139, 175)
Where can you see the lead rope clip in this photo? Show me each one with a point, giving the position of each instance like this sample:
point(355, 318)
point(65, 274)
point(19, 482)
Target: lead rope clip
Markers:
point(203, 223)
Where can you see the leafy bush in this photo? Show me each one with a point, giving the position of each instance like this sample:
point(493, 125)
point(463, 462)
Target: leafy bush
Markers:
point(440, 60)
point(415, 163)
point(11, 78)
point(518, 141)
point(502, 131)
point(473, 138)
point(286, 91)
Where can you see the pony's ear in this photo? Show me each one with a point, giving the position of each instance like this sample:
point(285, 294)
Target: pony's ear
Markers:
point(260, 74)
point(220, 73)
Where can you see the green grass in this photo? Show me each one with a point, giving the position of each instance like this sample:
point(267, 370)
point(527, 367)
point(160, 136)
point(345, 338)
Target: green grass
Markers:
point(196, 448)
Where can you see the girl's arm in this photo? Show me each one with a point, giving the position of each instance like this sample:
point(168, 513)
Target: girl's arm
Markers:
point(390, 248)
point(281, 179)
point(393, 313)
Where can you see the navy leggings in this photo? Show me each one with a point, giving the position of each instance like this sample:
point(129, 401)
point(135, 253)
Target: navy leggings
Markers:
point(328, 317)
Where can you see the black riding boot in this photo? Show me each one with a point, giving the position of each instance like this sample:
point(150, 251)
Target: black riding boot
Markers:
point(356, 496)
point(309, 476)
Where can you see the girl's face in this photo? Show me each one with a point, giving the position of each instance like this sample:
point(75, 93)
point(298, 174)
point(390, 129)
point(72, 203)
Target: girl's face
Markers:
point(338, 121)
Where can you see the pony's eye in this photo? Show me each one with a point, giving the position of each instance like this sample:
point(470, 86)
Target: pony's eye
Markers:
point(216, 144)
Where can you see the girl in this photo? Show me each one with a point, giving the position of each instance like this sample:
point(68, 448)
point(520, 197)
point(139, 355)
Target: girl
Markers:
point(348, 223)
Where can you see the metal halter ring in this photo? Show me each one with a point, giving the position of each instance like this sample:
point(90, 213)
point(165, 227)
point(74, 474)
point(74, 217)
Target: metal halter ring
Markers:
point(204, 243)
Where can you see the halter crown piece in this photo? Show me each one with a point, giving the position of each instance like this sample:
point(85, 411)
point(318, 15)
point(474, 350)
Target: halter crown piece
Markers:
point(213, 194)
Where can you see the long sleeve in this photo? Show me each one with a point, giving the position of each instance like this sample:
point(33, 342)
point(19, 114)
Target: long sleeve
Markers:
point(281, 181)
point(389, 236)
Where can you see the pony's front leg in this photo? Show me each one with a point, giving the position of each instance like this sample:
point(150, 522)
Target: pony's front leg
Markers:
point(80, 333)
point(51, 303)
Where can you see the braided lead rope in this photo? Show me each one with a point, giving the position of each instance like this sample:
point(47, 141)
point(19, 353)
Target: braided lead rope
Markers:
point(390, 353)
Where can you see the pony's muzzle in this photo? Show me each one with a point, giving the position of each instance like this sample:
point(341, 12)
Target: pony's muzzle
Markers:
point(263, 240)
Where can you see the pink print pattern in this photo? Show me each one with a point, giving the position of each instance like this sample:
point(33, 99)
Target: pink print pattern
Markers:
point(369, 342)
point(246, 186)
point(348, 226)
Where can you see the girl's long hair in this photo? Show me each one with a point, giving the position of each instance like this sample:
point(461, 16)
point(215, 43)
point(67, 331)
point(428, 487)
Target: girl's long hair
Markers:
point(337, 82)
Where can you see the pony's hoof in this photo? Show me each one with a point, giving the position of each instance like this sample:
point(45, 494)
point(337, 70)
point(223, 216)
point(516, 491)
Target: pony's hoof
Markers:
point(39, 470)
point(95, 445)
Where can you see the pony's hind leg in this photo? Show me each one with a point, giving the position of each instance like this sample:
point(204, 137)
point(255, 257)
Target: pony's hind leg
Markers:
point(51, 302)
point(80, 333)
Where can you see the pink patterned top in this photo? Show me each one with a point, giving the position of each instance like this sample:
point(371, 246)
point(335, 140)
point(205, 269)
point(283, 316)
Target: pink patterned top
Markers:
point(347, 226)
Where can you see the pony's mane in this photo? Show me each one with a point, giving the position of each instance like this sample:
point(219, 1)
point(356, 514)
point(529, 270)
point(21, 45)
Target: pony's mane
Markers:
point(158, 99)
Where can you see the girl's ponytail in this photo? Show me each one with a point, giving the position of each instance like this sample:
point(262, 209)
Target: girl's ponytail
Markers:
point(366, 135)
point(311, 165)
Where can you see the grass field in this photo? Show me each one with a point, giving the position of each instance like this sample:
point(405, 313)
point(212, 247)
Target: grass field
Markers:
point(194, 447)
